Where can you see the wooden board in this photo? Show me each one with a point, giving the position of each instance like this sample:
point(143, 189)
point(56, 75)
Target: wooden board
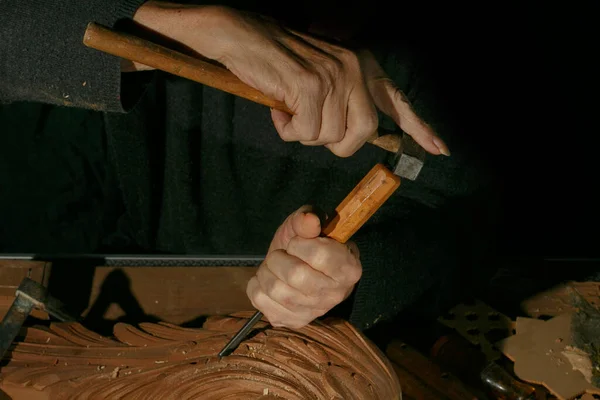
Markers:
point(12, 273)
point(536, 352)
point(6, 302)
point(172, 294)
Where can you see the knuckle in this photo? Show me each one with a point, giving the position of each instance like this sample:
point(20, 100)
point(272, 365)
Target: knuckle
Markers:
point(297, 277)
point(350, 58)
point(337, 135)
point(332, 299)
point(353, 273)
point(250, 291)
point(278, 293)
point(322, 254)
point(257, 298)
point(332, 68)
point(311, 82)
point(287, 136)
point(294, 245)
point(287, 301)
point(272, 290)
point(274, 256)
point(261, 275)
point(342, 152)
point(369, 123)
point(338, 297)
point(321, 311)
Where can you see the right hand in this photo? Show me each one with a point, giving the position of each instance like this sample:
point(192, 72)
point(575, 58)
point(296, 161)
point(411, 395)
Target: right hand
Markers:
point(332, 91)
point(304, 275)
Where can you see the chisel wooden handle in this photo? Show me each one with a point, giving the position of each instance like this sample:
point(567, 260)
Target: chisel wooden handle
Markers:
point(142, 51)
point(360, 204)
point(366, 198)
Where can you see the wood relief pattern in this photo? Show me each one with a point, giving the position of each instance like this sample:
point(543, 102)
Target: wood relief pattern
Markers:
point(325, 360)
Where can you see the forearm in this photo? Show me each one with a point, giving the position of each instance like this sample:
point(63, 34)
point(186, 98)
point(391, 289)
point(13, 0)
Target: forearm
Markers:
point(43, 57)
point(173, 22)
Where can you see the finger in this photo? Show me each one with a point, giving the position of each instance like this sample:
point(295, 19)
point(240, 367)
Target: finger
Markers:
point(340, 68)
point(302, 223)
point(362, 122)
point(280, 119)
point(333, 117)
point(392, 101)
point(299, 275)
point(282, 293)
point(305, 98)
point(328, 256)
point(276, 314)
point(330, 67)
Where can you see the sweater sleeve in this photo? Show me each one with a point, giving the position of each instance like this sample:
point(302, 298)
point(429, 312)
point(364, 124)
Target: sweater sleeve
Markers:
point(438, 253)
point(43, 59)
point(433, 236)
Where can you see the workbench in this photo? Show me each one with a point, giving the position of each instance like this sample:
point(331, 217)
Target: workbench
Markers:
point(181, 294)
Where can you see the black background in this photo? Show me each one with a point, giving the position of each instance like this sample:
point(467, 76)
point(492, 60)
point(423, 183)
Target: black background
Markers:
point(518, 78)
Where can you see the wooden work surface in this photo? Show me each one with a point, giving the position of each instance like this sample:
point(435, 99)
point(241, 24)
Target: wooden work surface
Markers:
point(12, 273)
point(171, 294)
point(182, 294)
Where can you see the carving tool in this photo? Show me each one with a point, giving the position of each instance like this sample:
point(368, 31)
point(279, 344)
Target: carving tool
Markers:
point(362, 202)
point(407, 157)
point(29, 295)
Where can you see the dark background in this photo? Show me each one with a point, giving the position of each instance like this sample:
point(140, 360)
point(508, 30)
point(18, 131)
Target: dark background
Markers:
point(520, 81)
point(517, 78)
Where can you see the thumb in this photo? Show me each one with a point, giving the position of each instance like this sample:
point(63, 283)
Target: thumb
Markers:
point(394, 103)
point(303, 222)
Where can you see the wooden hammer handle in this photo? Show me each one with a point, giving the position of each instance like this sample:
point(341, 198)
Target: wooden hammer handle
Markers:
point(139, 50)
point(360, 204)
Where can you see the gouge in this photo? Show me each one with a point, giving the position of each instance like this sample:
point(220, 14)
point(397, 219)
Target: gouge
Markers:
point(140, 50)
point(362, 202)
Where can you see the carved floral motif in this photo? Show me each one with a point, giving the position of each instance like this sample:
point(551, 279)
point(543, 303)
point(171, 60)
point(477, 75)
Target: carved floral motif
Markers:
point(325, 360)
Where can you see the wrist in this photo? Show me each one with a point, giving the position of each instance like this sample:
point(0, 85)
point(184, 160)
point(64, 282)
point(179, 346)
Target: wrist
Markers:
point(192, 26)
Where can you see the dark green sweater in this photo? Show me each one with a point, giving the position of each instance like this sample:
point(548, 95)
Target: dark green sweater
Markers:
point(191, 170)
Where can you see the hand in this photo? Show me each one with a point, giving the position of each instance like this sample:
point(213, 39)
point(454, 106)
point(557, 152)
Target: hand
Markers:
point(332, 91)
point(303, 275)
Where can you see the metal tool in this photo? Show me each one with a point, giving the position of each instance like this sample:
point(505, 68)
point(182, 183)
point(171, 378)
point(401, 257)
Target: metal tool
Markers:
point(29, 295)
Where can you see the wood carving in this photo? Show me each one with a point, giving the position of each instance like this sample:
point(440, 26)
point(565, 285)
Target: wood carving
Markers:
point(538, 351)
point(325, 360)
point(556, 301)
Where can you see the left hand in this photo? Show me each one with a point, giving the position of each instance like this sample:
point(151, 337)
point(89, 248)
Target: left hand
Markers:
point(303, 275)
point(332, 92)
